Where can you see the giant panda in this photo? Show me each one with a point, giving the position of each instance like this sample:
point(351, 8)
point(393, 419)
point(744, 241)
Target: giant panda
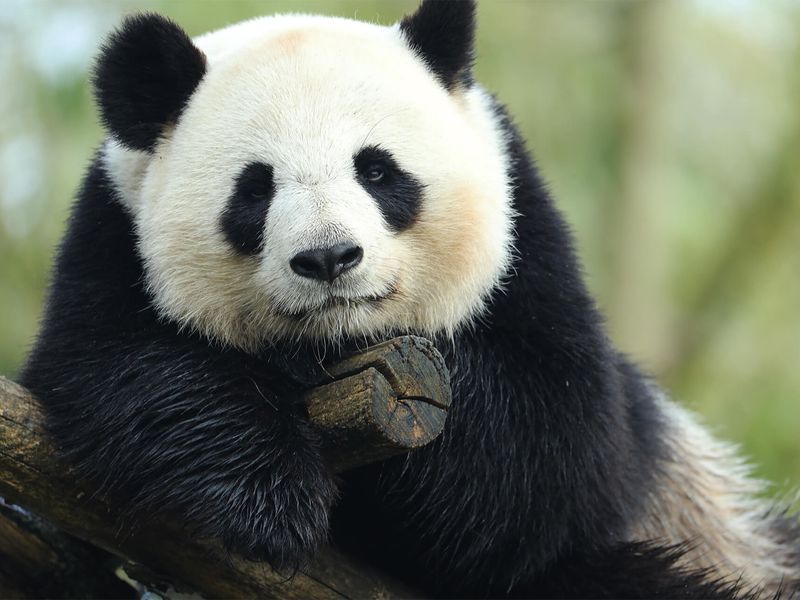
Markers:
point(286, 190)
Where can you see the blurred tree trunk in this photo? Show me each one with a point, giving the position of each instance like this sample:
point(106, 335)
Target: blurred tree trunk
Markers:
point(639, 315)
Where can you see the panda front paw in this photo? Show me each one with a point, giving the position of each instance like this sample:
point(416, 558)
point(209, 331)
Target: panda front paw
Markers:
point(280, 515)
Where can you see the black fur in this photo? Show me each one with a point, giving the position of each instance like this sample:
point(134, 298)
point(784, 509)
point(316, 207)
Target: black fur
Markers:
point(243, 219)
point(146, 72)
point(631, 570)
point(398, 193)
point(442, 32)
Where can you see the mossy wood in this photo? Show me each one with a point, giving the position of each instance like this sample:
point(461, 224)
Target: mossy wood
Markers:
point(390, 399)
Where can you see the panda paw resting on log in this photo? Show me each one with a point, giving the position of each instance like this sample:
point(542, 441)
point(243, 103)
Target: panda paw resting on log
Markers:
point(282, 192)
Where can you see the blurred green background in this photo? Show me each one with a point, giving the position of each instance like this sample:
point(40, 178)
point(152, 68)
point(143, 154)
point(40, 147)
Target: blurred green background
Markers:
point(668, 131)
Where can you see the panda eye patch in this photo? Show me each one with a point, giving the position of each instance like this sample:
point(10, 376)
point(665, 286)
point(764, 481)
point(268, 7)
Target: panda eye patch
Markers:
point(397, 193)
point(242, 221)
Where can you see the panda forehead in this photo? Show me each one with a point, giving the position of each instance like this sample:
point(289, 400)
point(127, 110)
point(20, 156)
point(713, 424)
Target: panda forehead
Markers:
point(288, 32)
point(332, 46)
point(322, 87)
point(321, 65)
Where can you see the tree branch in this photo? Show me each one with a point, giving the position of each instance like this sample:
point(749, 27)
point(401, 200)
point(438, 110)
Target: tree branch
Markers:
point(388, 400)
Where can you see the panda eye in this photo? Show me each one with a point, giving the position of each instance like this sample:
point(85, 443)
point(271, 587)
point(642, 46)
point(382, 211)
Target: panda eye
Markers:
point(374, 173)
point(397, 193)
point(256, 195)
point(255, 184)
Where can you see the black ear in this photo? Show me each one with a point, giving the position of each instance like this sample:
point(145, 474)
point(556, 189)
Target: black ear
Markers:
point(146, 73)
point(443, 33)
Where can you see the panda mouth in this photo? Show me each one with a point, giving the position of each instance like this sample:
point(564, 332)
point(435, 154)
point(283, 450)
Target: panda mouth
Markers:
point(333, 302)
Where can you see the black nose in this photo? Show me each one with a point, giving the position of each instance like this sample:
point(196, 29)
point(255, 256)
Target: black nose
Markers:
point(326, 264)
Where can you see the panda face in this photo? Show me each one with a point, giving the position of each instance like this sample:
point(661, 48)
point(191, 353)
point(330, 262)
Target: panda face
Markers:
point(320, 182)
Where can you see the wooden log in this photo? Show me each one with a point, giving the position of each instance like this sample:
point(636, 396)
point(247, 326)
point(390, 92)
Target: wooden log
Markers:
point(390, 399)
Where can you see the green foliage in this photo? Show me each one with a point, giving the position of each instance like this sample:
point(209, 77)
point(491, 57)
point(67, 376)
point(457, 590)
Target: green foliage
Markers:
point(669, 133)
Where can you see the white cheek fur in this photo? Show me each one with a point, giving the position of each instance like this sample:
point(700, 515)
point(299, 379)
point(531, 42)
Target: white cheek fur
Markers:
point(269, 95)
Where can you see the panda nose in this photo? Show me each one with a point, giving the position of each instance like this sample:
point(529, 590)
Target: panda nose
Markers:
point(326, 264)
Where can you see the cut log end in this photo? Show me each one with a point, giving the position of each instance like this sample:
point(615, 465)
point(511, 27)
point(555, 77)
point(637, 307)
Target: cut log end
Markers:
point(390, 399)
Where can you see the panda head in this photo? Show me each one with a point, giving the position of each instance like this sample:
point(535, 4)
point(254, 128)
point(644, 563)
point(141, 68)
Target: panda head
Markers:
point(309, 177)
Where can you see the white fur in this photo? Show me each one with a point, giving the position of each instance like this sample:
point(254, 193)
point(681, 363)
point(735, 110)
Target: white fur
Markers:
point(126, 168)
point(304, 94)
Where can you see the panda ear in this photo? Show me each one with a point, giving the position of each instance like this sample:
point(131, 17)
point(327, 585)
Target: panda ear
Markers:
point(443, 33)
point(146, 73)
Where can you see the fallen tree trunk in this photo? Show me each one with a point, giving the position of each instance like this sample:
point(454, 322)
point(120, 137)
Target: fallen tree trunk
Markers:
point(388, 400)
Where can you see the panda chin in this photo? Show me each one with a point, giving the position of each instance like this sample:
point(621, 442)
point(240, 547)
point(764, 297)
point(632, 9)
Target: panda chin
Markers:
point(338, 306)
